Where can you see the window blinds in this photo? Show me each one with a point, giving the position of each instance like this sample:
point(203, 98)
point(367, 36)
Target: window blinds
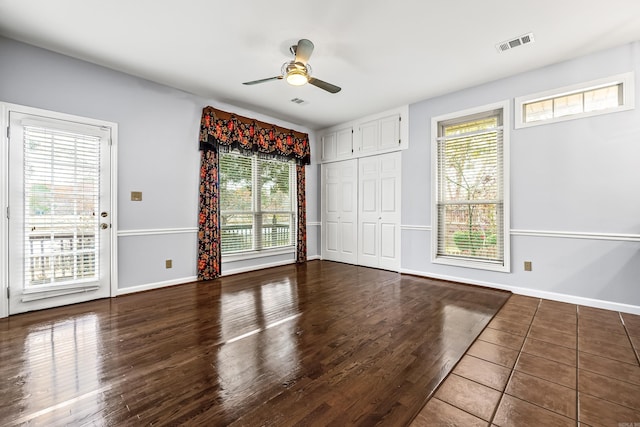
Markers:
point(257, 203)
point(61, 193)
point(470, 182)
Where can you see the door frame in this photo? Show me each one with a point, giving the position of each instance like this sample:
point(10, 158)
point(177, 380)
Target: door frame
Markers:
point(5, 108)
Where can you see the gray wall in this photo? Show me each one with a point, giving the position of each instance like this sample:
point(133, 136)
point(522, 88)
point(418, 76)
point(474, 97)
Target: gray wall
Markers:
point(580, 176)
point(157, 154)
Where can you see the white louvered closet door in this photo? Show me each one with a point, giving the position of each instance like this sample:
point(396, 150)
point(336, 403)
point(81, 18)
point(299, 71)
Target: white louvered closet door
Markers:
point(59, 212)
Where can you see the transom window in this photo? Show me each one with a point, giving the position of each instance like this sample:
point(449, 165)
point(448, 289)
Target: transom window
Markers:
point(257, 203)
point(469, 203)
point(587, 99)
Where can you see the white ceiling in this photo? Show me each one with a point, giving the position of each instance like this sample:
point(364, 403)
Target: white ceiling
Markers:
point(382, 53)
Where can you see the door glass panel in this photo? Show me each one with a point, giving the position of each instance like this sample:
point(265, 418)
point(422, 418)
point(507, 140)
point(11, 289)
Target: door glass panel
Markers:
point(61, 194)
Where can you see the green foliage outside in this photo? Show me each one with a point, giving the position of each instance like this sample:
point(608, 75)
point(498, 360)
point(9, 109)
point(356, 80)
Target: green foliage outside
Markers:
point(236, 186)
point(469, 181)
point(473, 241)
point(40, 199)
point(237, 199)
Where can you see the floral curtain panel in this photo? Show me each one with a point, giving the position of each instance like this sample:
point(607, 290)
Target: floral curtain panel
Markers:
point(209, 217)
point(222, 131)
point(301, 246)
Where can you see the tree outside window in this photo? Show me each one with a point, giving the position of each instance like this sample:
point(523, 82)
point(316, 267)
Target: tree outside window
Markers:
point(469, 206)
point(256, 199)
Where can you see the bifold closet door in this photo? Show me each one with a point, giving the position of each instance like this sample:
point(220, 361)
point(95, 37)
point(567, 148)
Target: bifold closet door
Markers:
point(339, 201)
point(379, 211)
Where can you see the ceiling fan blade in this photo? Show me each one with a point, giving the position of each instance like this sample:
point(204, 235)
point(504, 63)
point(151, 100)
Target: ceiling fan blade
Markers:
point(255, 82)
point(303, 50)
point(324, 85)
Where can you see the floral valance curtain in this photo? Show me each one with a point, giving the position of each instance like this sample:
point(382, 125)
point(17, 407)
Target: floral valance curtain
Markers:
point(222, 131)
point(230, 131)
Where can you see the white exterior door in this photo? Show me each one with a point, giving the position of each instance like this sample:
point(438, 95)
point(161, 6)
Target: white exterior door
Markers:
point(59, 213)
point(339, 201)
point(379, 211)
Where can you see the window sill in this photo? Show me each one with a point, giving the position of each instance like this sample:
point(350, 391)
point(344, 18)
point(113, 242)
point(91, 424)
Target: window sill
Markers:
point(470, 263)
point(241, 256)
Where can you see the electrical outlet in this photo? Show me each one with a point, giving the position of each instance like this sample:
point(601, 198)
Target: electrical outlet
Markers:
point(136, 196)
point(527, 266)
point(168, 263)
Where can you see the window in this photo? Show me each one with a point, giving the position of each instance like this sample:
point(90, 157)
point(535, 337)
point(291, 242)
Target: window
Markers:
point(583, 100)
point(470, 212)
point(61, 199)
point(257, 203)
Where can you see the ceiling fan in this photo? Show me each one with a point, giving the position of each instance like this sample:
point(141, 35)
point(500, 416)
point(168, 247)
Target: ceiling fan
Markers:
point(298, 72)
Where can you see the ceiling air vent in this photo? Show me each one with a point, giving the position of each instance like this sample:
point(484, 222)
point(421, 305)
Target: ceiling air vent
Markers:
point(298, 101)
point(518, 41)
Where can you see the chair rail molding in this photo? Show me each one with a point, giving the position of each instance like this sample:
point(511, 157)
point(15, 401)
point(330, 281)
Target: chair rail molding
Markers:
point(156, 231)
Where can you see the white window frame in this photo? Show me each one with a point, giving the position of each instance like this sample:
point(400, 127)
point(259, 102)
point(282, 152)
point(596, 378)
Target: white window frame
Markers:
point(628, 99)
point(4, 202)
point(281, 250)
point(505, 266)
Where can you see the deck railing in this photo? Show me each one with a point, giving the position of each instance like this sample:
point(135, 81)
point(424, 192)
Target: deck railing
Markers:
point(237, 238)
point(55, 258)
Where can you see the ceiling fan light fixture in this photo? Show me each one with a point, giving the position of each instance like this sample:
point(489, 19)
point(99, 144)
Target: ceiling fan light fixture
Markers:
point(297, 77)
point(297, 72)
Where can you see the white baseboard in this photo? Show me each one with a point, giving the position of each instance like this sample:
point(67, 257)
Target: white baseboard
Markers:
point(156, 285)
point(173, 282)
point(313, 257)
point(571, 299)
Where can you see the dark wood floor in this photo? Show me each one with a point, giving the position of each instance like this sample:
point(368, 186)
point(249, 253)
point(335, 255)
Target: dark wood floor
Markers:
point(316, 344)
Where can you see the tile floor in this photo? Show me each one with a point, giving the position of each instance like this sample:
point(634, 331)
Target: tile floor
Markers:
point(545, 363)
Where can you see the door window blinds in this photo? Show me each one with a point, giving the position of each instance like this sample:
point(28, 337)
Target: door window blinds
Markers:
point(61, 193)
